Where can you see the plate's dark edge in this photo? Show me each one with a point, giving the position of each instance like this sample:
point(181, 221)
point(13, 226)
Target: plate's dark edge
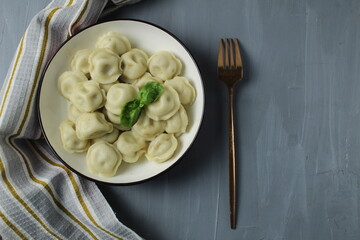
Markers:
point(41, 124)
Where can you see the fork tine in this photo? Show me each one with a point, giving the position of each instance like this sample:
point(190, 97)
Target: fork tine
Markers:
point(231, 52)
point(227, 55)
point(237, 54)
point(221, 54)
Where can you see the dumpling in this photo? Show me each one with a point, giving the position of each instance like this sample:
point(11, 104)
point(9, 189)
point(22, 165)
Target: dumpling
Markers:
point(106, 87)
point(70, 141)
point(87, 96)
point(120, 127)
point(114, 41)
point(134, 64)
point(67, 80)
point(134, 158)
point(177, 124)
point(147, 77)
point(166, 106)
point(73, 113)
point(114, 119)
point(184, 88)
point(131, 147)
point(103, 159)
point(164, 65)
point(105, 66)
point(162, 148)
point(148, 128)
point(109, 137)
point(118, 95)
point(80, 61)
point(92, 125)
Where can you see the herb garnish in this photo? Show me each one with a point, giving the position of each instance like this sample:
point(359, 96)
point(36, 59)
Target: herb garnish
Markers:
point(132, 109)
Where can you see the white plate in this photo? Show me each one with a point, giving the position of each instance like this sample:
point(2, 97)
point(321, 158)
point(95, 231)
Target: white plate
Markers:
point(53, 107)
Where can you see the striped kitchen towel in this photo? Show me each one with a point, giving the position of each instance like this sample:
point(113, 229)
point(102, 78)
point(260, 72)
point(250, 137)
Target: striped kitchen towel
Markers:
point(39, 197)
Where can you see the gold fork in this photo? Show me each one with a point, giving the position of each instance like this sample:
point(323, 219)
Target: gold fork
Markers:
point(230, 71)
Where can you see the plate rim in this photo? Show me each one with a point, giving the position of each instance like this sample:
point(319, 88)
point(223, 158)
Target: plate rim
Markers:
point(41, 80)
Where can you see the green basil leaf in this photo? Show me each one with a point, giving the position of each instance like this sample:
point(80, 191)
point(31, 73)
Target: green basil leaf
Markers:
point(130, 113)
point(150, 93)
point(131, 110)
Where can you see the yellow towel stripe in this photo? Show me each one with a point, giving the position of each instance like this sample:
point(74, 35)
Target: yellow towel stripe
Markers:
point(38, 70)
point(80, 16)
point(21, 201)
point(69, 174)
point(37, 74)
point(2, 169)
point(12, 226)
point(17, 58)
point(76, 188)
point(7, 182)
point(69, 3)
point(49, 190)
point(81, 200)
point(12, 75)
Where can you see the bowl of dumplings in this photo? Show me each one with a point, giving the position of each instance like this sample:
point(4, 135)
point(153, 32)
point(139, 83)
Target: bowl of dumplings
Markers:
point(121, 102)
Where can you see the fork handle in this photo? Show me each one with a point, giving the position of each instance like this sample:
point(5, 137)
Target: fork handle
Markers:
point(232, 161)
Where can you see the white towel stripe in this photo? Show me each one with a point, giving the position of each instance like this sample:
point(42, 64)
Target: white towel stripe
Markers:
point(36, 167)
point(63, 178)
point(27, 192)
point(101, 209)
point(10, 227)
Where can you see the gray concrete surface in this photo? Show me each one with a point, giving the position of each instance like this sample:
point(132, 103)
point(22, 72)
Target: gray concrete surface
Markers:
point(297, 121)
